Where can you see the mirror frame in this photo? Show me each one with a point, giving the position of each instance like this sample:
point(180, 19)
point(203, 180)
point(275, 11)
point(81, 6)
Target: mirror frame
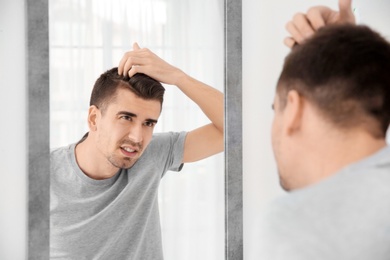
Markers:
point(39, 130)
point(233, 131)
point(38, 162)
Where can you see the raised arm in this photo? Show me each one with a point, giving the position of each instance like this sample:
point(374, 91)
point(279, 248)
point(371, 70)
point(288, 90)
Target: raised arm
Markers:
point(201, 142)
point(302, 26)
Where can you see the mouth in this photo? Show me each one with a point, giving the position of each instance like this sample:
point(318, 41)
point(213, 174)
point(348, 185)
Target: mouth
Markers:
point(129, 151)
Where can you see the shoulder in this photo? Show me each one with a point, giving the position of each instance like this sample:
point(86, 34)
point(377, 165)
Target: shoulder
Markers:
point(323, 217)
point(168, 136)
point(288, 229)
point(59, 155)
point(288, 209)
point(61, 151)
point(359, 185)
point(168, 139)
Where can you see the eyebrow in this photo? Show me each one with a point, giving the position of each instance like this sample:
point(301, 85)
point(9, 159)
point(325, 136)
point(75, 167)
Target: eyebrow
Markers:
point(134, 115)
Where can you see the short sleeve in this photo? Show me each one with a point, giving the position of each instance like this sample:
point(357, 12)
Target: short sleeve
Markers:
point(171, 144)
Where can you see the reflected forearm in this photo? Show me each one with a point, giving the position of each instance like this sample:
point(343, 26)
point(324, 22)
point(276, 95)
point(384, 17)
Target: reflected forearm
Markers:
point(209, 99)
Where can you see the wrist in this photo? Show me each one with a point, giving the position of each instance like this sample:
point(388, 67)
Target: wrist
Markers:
point(180, 78)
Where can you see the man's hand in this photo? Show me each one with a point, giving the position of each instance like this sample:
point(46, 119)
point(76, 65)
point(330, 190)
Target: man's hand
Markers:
point(145, 61)
point(303, 26)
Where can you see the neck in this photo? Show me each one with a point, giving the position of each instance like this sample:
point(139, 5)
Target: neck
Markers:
point(92, 163)
point(332, 152)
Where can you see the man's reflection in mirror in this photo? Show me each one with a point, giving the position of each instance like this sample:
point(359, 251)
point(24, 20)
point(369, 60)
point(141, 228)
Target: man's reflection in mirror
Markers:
point(104, 188)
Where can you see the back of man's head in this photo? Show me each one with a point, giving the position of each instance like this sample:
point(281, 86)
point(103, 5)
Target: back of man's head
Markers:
point(106, 86)
point(344, 71)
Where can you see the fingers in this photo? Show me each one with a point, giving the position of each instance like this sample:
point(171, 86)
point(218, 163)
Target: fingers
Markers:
point(316, 16)
point(303, 25)
point(294, 32)
point(346, 12)
point(135, 69)
point(289, 42)
point(300, 28)
point(122, 64)
point(136, 46)
point(128, 60)
point(131, 62)
point(146, 62)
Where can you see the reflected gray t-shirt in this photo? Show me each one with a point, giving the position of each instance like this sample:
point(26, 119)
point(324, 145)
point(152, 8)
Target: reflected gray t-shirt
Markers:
point(344, 217)
point(115, 218)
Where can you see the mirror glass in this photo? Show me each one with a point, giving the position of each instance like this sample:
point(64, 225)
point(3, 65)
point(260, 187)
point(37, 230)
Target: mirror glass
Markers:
point(87, 37)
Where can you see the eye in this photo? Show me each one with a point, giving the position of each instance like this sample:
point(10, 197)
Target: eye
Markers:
point(127, 118)
point(273, 107)
point(149, 124)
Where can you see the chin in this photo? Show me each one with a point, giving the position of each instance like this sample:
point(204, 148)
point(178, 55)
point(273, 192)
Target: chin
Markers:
point(122, 163)
point(128, 164)
point(284, 183)
point(284, 186)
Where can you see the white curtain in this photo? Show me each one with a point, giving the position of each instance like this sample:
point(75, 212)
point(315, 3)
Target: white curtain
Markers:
point(88, 37)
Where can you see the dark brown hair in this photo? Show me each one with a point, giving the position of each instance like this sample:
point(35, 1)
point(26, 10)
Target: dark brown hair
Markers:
point(105, 88)
point(345, 71)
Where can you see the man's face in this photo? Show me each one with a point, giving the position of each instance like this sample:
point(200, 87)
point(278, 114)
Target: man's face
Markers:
point(125, 128)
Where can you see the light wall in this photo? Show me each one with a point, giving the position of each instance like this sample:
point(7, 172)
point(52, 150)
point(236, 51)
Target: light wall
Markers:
point(263, 54)
point(13, 131)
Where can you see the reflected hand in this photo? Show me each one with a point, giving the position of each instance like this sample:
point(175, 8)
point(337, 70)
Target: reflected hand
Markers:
point(303, 26)
point(142, 60)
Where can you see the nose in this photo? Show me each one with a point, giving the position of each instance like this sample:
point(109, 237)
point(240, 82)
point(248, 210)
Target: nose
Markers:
point(136, 133)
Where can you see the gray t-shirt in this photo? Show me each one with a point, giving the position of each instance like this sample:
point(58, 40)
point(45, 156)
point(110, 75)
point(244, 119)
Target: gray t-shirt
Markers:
point(346, 216)
point(115, 218)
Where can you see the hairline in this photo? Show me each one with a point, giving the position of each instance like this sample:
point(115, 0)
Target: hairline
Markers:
point(121, 84)
point(358, 119)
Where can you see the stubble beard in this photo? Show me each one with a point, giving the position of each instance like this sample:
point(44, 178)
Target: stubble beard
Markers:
point(122, 162)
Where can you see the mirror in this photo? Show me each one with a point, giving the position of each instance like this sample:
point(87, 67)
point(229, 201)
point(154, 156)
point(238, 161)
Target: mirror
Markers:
point(87, 37)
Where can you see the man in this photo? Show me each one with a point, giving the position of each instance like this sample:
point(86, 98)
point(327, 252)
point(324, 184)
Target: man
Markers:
point(104, 189)
point(332, 111)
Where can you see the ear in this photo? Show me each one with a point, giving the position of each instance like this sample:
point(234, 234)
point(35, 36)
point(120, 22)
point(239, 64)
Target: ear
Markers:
point(292, 115)
point(93, 116)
